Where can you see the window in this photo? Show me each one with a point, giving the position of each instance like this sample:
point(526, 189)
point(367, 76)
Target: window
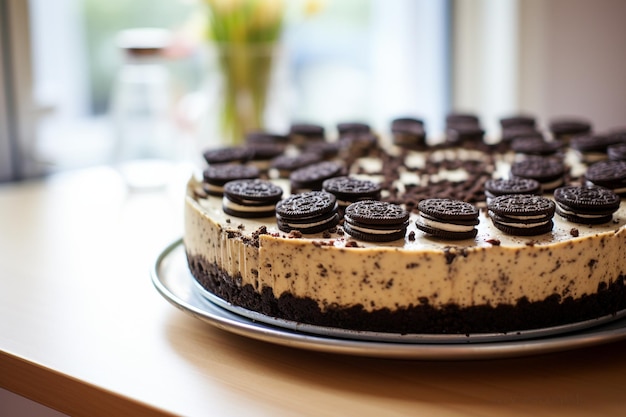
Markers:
point(367, 60)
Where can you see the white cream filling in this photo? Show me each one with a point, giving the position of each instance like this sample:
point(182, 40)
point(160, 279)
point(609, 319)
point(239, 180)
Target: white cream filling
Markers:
point(590, 157)
point(213, 187)
point(243, 208)
point(519, 225)
point(538, 216)
point(374, 231)
point(573, 213)
point(308, 225)
point(445, 226)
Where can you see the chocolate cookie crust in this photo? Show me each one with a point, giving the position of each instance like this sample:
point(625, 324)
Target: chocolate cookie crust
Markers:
point(419, 318)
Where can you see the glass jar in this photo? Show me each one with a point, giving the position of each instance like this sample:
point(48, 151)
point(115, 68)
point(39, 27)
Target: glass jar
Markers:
point(141, 109)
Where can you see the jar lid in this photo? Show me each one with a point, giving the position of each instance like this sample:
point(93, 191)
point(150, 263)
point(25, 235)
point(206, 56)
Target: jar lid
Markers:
point(144, 41)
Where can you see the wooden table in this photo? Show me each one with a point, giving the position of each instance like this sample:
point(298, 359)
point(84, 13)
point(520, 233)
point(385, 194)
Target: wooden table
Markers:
point(83, 330)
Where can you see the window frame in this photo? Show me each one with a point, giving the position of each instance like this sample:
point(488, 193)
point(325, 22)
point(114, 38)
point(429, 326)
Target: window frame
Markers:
point(17, 107)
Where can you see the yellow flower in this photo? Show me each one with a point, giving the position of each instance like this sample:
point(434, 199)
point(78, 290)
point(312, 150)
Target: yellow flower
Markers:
point(267, 13)
point(223, 7)
point(312, 7)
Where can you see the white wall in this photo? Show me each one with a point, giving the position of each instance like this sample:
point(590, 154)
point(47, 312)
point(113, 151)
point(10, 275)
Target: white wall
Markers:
point(549, 58)
point(573, 59)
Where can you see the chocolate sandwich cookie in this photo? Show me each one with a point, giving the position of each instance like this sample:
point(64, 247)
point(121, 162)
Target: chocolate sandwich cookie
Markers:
point(608, 174)
point(349, 190)
point(375, 221)
point(617, 152)
point(497, 187)
point(461, 134)
point(586, 204)
point(216, 175)
point(592, 148)
point(549, 172)
point(266, 137)
point(564, 128)
point(328, 150)
point(311, 212)
point(357, 144)
point(511, 133)
point(455, 118)
point(263, 153)
point(251, 198)
point(228, 154)
point(521, 214)
point(517, 120)
point(353, 128)
point(311, 177)
point(447, 219)
point(301, 134)
point(286, 164)
point(536, 145)
point(408, 133)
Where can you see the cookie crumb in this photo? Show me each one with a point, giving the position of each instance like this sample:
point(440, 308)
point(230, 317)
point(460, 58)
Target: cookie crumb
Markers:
point(493, 241)
point(573, 231)
point(295, 234)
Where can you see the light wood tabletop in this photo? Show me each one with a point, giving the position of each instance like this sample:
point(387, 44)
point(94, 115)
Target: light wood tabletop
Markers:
point(83, 330)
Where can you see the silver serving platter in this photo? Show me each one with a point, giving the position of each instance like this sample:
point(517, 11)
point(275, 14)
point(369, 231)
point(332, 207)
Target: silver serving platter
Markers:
point(171, 277)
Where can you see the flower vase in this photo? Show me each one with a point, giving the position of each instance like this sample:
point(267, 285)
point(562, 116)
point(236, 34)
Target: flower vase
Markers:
point(247, 83)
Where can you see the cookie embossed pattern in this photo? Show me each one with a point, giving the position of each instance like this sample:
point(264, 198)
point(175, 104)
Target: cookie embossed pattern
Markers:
point(309, 265)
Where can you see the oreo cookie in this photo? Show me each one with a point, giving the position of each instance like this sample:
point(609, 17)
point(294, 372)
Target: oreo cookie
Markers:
point(263, 137)
point(264, 153)
point(586, 205)
point(311, 177)
point(328, 150)
point(549, 172)
point(357, 144)
point(564, 128)
point(511, 133)
point(251, 198)
point(375, 221)
point(408, 133)
point(301, 134)
point(521, 214)
point(286, 164)
point(497, 187)
point(516, 121)
point(456, 118)
point(353, 128)
point(349, 190)
point(608, 174)
point(617, 152)
point(536, 145)
point(592, 148)
point(461, 134)
point(447, 219)
point(216, 176)
point(227, 155)
point(311, 212)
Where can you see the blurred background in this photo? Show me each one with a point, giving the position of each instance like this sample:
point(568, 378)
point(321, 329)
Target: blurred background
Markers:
point(344, 60)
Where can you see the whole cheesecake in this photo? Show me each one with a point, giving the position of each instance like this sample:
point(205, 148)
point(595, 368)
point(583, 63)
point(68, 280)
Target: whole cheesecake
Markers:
point(483, 280)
